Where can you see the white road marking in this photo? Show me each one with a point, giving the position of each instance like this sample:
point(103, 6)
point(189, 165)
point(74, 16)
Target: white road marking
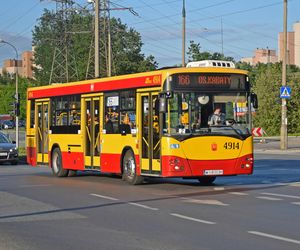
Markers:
point(266, 182)
point(295, 184)
point(239, 193)
point(205, 202)
point(40, 185)
point(282, 195)
point(274, 237)
point(143, 206)
point(193, 219)
point(296, 203)
point(219, 188)
point(105, 197)
point(268, 198)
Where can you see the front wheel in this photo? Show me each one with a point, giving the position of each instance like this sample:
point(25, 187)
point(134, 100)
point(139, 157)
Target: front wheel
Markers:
point(56, 164)
point(207, 180)
point(129, 169)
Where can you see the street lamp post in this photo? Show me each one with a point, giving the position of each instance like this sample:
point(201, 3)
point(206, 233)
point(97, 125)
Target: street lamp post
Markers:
point(17, 93)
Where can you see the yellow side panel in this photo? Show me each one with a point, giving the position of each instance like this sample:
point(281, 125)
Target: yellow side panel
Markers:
point(64, 140)
point(145, 164)
point(115, 143)
point(156, 165)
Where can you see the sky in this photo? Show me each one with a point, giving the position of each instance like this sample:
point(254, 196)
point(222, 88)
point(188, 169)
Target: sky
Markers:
point(244, 25)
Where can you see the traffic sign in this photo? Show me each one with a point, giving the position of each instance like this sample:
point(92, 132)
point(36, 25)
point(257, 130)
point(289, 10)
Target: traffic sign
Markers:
point(285, 92)
point(257, 132)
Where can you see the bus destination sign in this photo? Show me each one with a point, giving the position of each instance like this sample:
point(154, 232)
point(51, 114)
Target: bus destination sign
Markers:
point(208, 81)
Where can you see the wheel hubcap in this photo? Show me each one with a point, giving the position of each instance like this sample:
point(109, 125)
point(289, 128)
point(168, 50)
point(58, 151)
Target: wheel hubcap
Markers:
point(55, 162)
point(130, 168)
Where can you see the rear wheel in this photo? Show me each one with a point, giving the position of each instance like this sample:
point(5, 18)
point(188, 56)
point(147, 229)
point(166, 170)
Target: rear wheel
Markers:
point(207, 180)
point(56, 164)
point(129, 169)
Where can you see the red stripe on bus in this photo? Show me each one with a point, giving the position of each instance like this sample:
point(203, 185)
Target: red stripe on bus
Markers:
point(31, 156)
point(73, 160)
point(65, 89)
point(180, 167)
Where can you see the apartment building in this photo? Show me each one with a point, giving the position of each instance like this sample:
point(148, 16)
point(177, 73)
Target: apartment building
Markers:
point(23, 67)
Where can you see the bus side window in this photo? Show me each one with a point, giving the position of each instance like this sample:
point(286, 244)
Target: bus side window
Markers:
point(32, 113)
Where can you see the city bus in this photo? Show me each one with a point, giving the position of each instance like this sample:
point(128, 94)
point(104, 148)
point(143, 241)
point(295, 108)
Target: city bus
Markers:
point(152, 124)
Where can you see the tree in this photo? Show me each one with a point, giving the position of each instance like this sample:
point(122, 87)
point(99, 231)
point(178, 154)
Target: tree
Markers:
point(126, 46)
point(195, 54)
point(8, 90)
point(267, 86)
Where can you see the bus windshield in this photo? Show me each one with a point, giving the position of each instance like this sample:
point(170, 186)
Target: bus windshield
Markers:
point(208, 113)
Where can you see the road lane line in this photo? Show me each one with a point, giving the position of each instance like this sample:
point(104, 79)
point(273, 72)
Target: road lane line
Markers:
point(239, 193)
point(296, 203)
point(295, 184)
point(268, 198)
point(274, 237)
point(282, 195)
point(143, 206)
point(193, 219)
point(40, 185)
point(205, 202)
point(219, 188)
point(105, 197)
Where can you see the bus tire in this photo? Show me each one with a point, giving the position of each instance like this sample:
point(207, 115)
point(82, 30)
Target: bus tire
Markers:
point(129, 169)
point(207, 180)
point(56, 164)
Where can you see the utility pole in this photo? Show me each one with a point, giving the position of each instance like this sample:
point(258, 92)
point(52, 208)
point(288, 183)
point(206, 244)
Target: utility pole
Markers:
point(284, 122)
point(183, 33)
point(108, 39)
point(222, 41)
point(97, 64)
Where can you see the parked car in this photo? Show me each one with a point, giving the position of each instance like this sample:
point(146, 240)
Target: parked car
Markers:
point(22, 123)
point(8, 150)
point(7, 124)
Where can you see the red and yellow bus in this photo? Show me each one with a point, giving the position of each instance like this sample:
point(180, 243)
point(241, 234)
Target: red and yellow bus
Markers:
point(147, 124)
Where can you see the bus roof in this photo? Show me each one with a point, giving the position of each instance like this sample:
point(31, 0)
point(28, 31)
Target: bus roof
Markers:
point(138, 80)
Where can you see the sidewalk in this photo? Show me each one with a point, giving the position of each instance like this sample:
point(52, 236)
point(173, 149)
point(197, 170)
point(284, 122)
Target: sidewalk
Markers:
point(272, 145)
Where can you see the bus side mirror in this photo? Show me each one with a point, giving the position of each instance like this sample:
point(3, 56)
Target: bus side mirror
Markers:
point(162, 105)
point(254, 100)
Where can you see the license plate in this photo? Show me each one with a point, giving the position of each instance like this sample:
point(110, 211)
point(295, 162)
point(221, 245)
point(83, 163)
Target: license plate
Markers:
point(3, 154)
point(213, 172)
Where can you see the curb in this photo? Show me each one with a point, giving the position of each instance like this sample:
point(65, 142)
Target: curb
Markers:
point(277, 151)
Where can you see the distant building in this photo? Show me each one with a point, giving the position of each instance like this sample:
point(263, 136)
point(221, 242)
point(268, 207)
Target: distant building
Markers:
point(262, 56)
point(24, 66)
point(293, 46)
point(11, 66)
point(290, 47)
point(297, 43)
point(27, 64)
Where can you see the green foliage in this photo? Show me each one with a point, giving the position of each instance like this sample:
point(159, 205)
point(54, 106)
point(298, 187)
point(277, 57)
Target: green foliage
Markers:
point(126, 47)
point(195, 54)
point(8, 90)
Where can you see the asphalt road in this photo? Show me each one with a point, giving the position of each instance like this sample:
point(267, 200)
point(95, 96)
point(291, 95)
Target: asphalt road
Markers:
point(92, 211)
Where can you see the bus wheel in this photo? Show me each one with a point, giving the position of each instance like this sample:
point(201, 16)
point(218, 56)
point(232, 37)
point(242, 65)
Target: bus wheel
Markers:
point(56, 164)
point(129, 169)
point(207, 180)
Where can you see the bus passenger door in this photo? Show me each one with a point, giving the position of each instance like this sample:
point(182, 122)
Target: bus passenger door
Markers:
point(91, 131)
point(150, 140)
point(42, 130)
